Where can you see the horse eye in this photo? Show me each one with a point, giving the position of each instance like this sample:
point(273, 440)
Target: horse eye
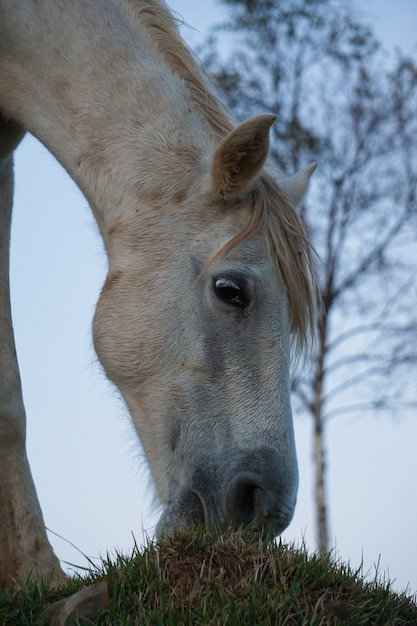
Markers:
point(230, 292)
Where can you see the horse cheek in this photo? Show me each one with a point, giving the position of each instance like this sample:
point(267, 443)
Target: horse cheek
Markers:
point(128, 333)
point(112, 332)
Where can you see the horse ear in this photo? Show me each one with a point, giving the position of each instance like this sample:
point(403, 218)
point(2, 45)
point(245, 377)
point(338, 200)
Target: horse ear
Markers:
point(240, 156)
point(296, 186)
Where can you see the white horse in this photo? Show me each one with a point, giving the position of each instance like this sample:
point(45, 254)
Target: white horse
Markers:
point(209, 278)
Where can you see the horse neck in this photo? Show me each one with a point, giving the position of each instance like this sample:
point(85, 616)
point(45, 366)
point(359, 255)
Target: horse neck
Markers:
point(95, 94)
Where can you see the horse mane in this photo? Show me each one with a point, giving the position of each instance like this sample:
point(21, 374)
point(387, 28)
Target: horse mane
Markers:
point(164, 39)
point(288, 248)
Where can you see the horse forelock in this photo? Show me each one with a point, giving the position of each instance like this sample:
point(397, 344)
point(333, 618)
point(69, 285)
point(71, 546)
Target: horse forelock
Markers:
point(165, 40)
point(289, 252)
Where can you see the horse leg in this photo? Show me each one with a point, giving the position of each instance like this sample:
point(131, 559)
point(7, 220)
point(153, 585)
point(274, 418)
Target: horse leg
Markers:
point(24, 546)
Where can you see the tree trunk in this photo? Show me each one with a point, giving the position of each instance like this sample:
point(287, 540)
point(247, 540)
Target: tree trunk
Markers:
point(319, 486)
point(318, 443)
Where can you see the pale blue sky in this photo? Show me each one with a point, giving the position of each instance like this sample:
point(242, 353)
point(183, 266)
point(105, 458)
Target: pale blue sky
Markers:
point(85, 459)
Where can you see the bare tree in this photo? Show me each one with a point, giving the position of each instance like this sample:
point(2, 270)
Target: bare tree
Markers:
point(340, 102)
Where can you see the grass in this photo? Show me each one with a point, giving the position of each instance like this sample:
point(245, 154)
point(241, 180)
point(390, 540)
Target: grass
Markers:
point(201, 579)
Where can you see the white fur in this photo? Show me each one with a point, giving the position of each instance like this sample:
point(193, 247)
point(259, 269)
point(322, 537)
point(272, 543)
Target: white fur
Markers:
point(206, 383)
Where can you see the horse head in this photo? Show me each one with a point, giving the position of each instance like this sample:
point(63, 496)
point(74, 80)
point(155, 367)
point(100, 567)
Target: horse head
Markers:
point(194, 326)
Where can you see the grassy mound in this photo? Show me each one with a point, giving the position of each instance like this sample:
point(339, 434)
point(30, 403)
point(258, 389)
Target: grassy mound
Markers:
point(199, 579)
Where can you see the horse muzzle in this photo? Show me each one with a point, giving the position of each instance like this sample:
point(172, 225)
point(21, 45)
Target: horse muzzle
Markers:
point(260, 500)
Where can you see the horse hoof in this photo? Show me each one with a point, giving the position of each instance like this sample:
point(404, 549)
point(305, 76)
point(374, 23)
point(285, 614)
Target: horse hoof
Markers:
point(85, 603)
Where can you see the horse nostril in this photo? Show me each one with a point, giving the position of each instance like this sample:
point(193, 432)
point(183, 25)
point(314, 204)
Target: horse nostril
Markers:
point(193, 510)
point(245, 502)
point(182, 514)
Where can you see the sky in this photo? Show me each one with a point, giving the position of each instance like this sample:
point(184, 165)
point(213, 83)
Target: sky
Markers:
point(88, 467)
